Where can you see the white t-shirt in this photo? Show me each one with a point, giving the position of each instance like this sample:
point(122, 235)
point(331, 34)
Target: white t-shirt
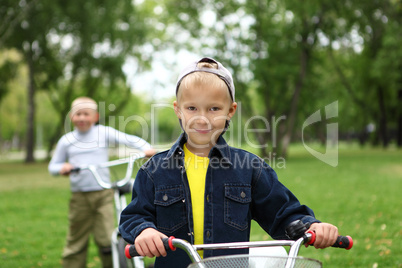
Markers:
point(91, 147)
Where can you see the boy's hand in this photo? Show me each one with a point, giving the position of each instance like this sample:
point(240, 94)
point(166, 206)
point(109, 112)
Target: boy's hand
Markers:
point(326, 234)
point(66, 169)
point(149, 152)
point(149, 243)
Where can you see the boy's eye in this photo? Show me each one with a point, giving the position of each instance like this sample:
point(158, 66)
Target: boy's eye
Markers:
point(191, 108)
point(214, 109)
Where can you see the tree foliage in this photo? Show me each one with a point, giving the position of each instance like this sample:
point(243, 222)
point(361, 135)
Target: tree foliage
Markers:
point(288, 58)
point(74, 48)
point(285, 53)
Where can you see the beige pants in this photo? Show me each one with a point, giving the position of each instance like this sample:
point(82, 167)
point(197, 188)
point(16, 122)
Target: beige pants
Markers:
point(90, 213)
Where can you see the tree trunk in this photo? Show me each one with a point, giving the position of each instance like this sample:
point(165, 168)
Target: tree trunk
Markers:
point(30, 134)
point(383, 125)
point(399, 133)
point(304, 57)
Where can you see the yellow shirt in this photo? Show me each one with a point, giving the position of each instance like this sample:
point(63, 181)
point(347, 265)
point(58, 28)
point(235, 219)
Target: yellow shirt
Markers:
point(196, 170)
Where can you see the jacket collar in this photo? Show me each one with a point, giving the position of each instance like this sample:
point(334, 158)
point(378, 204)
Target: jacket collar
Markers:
point(221, 149)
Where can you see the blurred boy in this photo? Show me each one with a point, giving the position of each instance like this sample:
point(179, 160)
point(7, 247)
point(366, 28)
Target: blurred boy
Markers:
point(204, 191)
point(91, 207)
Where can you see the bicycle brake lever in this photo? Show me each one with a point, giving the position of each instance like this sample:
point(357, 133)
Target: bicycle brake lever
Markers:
point(297, 229)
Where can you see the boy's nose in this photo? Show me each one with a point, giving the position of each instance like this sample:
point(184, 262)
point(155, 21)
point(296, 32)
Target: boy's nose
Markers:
point(202, 120)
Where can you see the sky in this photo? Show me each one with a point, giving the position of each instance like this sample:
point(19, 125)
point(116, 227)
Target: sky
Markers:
point(159, 82)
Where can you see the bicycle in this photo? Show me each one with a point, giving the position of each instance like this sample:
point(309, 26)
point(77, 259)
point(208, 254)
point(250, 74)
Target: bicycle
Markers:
point(296, 231)
point(121, 187)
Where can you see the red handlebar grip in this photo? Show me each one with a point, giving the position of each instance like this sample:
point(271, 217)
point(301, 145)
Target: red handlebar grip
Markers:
point(345, 242)
point(130, 250)
point(127, 251)
point(171, 247)
point(350, 242)
point(312, 239)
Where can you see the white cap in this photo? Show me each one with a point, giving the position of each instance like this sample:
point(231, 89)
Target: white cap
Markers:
point(221, 72)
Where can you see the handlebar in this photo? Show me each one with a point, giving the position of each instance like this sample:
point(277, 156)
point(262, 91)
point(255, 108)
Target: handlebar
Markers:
point(345, 242)
point(172, 243)
point(93, 168)
point(297, 229)
point(131, 252)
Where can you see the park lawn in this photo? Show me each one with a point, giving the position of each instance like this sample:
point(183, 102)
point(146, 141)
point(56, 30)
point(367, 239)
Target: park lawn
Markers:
point(361, 196)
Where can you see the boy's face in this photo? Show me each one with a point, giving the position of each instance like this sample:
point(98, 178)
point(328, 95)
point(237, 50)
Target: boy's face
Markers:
point(203, 110)
point(84, 118)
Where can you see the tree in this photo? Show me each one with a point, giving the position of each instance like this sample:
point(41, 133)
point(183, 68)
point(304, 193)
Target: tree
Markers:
point(371, 74)
point(74, 48)
point(24, 29)
point(270, 47)
point(275, 51)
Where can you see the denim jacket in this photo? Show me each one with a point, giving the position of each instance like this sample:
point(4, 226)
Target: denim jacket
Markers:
point(239, 187)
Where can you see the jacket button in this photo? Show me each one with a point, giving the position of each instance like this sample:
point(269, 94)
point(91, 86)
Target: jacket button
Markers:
point(243, 194)
point(165, 197)
point(208, 234)
point(208, 198)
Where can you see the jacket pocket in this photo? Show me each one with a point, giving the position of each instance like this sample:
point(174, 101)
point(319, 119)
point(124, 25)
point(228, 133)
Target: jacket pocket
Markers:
point(237, 205)
point(170, 208)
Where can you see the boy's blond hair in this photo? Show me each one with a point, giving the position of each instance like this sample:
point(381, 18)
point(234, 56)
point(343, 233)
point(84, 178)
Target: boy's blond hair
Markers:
point(83, 103)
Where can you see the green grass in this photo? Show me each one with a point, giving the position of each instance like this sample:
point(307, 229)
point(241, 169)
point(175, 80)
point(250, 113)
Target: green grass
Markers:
point(361, 196)
point(33, 210)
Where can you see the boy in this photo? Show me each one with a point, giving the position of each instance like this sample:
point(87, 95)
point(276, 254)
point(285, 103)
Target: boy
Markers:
point(203, 190)
point(91, 207)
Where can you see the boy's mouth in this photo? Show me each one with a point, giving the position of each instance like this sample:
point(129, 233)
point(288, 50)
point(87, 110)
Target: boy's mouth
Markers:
point(203, 131)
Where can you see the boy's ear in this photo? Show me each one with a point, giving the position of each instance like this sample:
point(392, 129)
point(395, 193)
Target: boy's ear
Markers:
point(232, 110)
point(176, 109)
